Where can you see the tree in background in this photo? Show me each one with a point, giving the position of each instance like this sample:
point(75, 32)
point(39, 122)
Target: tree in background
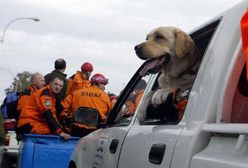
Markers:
point(21, 81)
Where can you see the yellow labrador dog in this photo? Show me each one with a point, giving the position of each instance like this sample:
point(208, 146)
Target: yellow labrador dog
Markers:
point(180, 52)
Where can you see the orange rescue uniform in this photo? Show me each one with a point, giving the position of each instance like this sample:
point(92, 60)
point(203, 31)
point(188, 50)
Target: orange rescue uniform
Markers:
point(180, 100)
point(25, 97)
point(40, 113)
point(134, 101)
point(92, 97)
point(76, 82)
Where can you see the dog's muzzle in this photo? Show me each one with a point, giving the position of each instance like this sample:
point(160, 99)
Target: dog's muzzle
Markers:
point(139, 52)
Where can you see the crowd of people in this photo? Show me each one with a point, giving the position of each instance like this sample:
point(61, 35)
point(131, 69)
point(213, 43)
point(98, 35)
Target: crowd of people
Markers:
point(49, 104)
point(55, 104)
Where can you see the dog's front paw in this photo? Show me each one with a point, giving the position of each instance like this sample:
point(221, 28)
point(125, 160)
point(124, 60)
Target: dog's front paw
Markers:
point(159, 96)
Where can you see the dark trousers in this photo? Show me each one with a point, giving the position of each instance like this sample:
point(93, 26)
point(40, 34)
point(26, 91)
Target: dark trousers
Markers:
point(25, 129)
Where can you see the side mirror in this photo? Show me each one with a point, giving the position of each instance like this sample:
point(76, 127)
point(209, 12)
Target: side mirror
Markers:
point(87, 116)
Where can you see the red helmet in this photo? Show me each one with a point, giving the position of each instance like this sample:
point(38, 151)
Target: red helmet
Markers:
point(99, 78)
point(86, 67)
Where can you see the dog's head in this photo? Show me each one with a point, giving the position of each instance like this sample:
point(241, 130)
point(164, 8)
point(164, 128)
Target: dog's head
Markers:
point(171, 43)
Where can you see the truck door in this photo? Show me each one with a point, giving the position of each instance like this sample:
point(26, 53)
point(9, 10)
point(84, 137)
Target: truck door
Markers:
point(150, 141)
point(148, 145)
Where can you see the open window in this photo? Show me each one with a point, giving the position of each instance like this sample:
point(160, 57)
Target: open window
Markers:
point(131, 97)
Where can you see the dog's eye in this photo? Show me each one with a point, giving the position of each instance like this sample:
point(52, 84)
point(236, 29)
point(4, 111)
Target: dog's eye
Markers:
point(159, 37)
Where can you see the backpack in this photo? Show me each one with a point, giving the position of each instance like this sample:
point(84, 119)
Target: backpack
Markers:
point(9, 106)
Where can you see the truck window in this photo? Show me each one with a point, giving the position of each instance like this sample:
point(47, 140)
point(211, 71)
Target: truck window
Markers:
point(133, 100)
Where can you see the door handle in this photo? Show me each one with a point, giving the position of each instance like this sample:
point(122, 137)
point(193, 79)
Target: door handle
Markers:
point(156, 154)
point(113, 145)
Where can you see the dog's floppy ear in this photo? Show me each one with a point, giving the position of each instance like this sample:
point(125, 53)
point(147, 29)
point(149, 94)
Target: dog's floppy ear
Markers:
point(184, 45)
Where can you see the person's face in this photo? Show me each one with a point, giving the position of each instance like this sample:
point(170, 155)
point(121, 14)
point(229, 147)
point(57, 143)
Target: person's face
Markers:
point(39, 81)
point(86, 75)
point(113, 101)
point(102, 86)
point(56, 85)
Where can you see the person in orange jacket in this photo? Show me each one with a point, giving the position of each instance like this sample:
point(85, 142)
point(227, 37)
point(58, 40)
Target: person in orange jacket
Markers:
point(180, 100)
point(113, 98)
point(39, 116)
point(92, 97)
point(37, 81)
point(80, 79)
point(134, 99)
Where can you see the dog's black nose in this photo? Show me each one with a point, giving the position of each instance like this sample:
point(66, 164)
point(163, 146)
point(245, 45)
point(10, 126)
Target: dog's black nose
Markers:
point(137, 47)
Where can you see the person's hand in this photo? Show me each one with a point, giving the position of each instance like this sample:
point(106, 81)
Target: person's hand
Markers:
point(65, 135)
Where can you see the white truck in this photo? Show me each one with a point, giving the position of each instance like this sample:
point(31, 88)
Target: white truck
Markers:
point(213, 132)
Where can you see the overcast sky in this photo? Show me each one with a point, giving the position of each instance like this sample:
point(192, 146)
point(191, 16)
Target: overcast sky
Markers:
point(103, 32)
